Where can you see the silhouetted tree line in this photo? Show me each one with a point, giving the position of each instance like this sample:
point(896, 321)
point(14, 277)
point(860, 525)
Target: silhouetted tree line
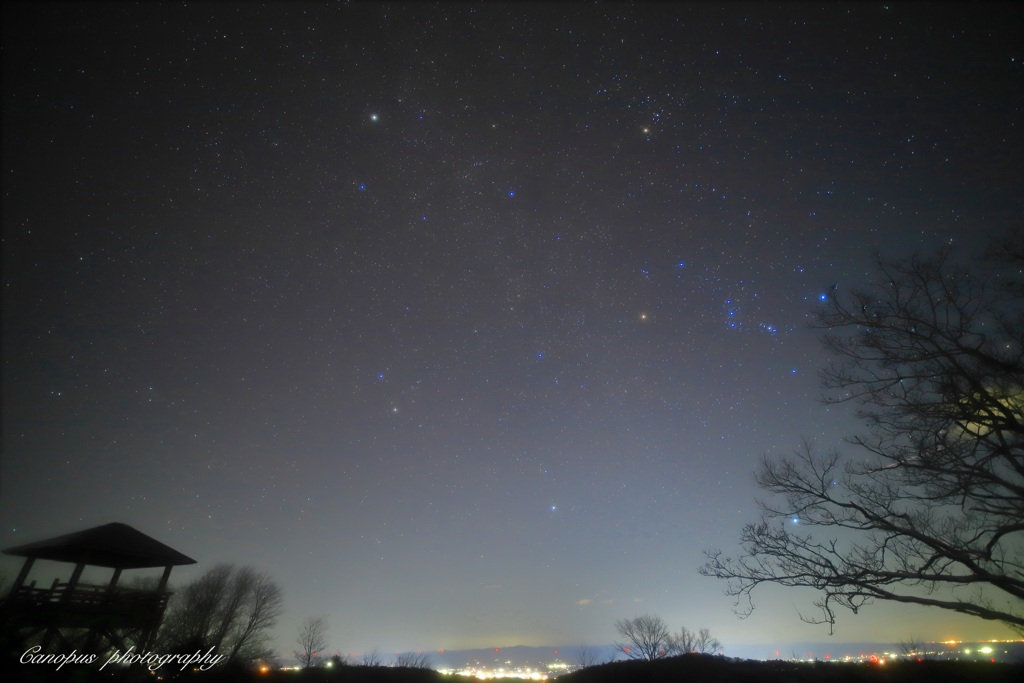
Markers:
point(648, 637)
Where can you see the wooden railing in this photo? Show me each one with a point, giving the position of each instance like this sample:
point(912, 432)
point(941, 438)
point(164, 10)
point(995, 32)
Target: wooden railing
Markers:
point(89, 598)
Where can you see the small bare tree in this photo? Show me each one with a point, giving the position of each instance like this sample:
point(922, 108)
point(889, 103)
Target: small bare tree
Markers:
point(909, 647)
point(312, 641)
point(372, 658)
point(587, 657)
point(643, 637)
point(699, 642)
point(413, 660)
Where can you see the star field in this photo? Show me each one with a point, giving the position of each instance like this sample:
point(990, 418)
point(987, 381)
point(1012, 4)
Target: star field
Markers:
point(467, 323)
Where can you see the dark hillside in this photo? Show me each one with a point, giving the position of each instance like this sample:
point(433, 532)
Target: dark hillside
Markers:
point(710, 669)
point(683, 669)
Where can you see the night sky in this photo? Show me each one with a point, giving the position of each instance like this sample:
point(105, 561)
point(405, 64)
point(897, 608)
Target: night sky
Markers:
point(468, 323)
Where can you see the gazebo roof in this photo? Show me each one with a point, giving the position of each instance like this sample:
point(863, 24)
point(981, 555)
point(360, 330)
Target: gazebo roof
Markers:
point(114, 545)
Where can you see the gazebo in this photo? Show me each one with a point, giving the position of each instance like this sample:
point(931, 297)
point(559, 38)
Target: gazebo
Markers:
point(86, 617)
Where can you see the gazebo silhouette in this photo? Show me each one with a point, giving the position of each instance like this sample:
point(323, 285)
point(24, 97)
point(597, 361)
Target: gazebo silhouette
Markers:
point(89, 618)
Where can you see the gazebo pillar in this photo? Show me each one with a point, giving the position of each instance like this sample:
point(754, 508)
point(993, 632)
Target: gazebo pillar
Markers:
point(72, 582)
point(23, 574)
point(75, 576)
point(165, 578)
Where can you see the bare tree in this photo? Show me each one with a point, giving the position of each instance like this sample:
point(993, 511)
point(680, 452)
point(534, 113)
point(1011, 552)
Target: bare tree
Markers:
point(236, 593)
point(226, 609)
point(193, 614)
point(643, 637)
point(312, 641)
point(587, 657)
point(413, 660)
point(259, 615)
point(372, 658)
point(909, 647)
point(699, 642)
point(931, 509)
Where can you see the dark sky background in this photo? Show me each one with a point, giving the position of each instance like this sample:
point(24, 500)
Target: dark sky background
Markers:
point(467, 323)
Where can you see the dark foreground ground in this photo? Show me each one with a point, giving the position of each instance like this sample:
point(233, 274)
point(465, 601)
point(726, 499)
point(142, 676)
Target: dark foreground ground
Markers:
point(684, 669)
point(707, 669)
